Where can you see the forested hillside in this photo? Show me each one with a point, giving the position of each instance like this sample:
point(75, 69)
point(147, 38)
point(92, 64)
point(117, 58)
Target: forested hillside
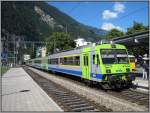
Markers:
point(37, 20)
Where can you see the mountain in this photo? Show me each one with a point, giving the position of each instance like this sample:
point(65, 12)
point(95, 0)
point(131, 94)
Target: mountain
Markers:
point(37, 20)
point(97, 31)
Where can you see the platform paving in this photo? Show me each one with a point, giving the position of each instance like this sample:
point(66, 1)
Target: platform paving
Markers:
point(141, 83)
point(21, 93)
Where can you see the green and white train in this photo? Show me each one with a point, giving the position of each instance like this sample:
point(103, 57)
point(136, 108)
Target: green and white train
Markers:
point(107, 64)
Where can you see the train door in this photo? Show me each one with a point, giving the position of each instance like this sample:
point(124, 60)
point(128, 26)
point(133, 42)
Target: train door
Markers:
point(86, 65)
point(94, 64)
point(45, 63)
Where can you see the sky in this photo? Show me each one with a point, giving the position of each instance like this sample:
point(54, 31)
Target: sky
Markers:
point(106, 15)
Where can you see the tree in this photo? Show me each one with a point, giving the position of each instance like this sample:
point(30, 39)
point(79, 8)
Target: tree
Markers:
point(98, 38)
point(59, 41)
point(114, 33)
point(137, 27)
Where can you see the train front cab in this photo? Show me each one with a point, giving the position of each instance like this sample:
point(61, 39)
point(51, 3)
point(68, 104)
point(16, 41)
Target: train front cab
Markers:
point(110, 65)
point(115, 65)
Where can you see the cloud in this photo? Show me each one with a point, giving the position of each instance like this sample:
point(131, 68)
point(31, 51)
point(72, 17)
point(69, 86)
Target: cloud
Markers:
point(107, 14)
point(119, 7)
point(109, 26)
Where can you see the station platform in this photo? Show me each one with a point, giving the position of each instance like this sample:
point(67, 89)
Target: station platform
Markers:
point(141, 83)
point(21, 93)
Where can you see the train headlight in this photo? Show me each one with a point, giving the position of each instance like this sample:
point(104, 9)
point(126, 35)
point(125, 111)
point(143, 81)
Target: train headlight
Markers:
point(94, 75)
point(127, 69)
point(108, 71)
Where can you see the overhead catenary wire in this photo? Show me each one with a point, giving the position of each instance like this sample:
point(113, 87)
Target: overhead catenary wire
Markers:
point(72, 9)
point(132, 12)
point(122, 17)
point(129, 14)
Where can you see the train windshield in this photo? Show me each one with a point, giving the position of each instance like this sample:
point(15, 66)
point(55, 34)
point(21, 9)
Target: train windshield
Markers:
point(114, 56)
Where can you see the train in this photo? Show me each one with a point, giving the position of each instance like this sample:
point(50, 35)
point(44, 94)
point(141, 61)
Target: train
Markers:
point(105, 64)
point(132, 62)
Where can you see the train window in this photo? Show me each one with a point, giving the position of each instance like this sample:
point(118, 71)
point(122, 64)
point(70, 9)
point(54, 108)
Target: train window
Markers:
point(61, 60)
point(87, 60)
point(132, 59)
point(98, 61)
point(49, 61)
point(77, 60)
point(65, 61)
point(74, 60)
point(70, 61)
point(56, 61)
point(53, 61)
point(84, 60)
point(37, 61)
point(93, 59)
point(114, 56)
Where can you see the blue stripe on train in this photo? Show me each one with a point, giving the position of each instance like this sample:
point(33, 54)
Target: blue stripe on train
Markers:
point(98, 76)
point(37, 66)
point(78, 73)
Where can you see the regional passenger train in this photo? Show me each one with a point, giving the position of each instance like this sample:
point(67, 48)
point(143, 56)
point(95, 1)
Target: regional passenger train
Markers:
point(107, 64)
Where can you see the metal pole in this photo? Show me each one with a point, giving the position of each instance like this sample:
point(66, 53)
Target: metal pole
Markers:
point(16, 56)
point(54, 45)
point(7, 50)
point(14, 51)
point(33, 49)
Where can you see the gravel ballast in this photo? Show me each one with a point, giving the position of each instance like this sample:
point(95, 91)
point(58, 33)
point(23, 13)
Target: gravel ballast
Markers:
point(102, 98)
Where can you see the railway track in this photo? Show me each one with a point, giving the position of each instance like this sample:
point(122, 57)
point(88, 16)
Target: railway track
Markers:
point(130, 95)
point(66, 99)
